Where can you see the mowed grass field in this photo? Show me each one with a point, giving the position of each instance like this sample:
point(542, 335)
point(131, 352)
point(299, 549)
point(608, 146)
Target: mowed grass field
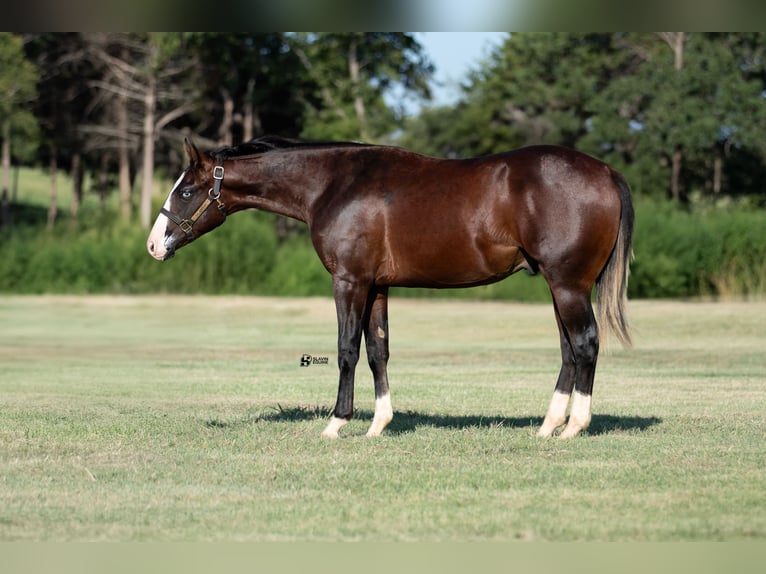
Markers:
point(190, 418)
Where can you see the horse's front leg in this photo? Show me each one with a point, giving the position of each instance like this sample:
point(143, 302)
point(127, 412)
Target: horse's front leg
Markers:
point(350, 303)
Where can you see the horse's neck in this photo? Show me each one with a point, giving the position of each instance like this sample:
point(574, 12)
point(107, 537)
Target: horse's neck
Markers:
point(285, 188)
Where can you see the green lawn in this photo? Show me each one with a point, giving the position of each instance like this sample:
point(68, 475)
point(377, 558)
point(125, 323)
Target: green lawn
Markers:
point(189, 418)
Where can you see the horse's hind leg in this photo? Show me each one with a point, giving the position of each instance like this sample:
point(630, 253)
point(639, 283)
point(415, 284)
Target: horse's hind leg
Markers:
point(376, 339)
point(579, 350)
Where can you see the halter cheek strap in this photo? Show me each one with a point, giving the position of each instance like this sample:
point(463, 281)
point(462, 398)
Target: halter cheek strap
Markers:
point(213, 195)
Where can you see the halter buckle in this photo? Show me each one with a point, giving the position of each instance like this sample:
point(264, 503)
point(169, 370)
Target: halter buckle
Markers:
point(186, 226)
point(215, 191)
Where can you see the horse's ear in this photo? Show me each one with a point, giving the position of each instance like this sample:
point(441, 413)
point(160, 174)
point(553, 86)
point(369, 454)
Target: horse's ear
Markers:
point(192, 152)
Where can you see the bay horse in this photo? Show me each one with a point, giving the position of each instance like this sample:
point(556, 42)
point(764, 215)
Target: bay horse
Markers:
point(382, 216)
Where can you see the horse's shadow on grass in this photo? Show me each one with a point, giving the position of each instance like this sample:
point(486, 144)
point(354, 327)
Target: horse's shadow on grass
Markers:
point(600, 424)
point(409, 421)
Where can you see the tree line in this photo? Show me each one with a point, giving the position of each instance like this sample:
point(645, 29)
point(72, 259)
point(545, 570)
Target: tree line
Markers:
point(113, 104)
point(680, 114)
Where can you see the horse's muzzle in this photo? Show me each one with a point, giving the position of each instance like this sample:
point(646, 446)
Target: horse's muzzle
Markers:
point(160, 252)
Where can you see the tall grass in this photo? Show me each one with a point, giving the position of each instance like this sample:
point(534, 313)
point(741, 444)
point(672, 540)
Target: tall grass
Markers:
point(708, 252)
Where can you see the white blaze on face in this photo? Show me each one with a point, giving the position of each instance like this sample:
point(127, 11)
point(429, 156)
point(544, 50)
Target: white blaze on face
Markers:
point(155, 244)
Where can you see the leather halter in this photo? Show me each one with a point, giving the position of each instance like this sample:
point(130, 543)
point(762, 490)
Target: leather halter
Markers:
point(213, 195)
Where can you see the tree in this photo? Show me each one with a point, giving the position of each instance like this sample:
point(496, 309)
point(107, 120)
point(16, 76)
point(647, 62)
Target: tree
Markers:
point(677, 42)
point(64, 95)
point(453, 132)
point(164, 63)
point(139, 96)
point(682, 115)
point(351, 72)
point(18, 79)
point(534, 88)
point(251, 84)
point(114, 109)
point(540, 85)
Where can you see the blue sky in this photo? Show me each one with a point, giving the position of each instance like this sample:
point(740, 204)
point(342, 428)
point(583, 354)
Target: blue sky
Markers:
point(453, 54)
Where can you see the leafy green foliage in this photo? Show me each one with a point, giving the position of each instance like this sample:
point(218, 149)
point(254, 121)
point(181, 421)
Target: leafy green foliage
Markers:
point(718, 252)
point(17, 76)
point(351, 72)
point(18, 79)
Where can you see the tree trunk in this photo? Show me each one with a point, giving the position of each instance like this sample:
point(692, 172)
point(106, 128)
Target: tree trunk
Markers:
point(717, 171)
point(679, 38)
point(150, 100)
point(126, 209)
point(675, 175)
point(249, 119)
point(53, 205)
point(354, 74)
point(103, 180)
point(224, 131)
point(76, 184)
point(5, 208)
point(321, 81)
point(6, 153)
point(676, 41)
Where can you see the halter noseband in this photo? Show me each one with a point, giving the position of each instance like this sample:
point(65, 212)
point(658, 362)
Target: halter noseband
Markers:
point(213, 194)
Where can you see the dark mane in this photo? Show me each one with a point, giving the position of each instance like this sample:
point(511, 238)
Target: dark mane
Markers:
point(269, 143)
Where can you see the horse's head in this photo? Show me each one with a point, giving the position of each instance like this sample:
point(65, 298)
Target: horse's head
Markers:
point(193, 207)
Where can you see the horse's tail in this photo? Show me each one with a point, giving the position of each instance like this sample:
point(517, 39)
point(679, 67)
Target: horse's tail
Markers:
point(612, 284)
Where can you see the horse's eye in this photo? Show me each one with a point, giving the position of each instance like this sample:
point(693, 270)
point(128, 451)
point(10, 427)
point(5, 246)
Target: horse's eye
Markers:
point(186, 194)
